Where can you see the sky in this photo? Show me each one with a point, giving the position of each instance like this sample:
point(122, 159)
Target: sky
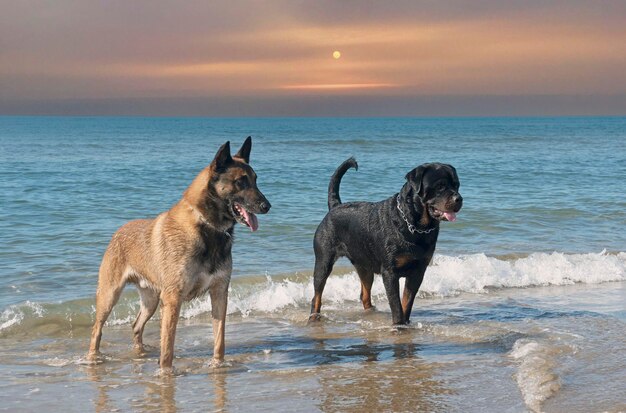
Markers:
point(275, 58)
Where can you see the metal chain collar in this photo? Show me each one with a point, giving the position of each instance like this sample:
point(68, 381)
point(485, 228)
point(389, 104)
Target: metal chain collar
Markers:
point(412, 228)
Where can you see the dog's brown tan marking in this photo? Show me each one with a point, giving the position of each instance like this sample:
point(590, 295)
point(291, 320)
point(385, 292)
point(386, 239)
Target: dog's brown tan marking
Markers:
point(425, 219)
point(367, 279)
point(403, 260)
point(182, 253)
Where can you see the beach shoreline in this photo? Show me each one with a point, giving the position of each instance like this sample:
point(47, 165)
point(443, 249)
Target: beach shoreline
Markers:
point(530, 348)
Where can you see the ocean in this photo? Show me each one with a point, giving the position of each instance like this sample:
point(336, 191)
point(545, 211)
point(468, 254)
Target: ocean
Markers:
point(523, 308)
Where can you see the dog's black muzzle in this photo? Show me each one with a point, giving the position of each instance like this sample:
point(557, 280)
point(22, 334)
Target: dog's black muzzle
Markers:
point(457, 202)
point(264, 207)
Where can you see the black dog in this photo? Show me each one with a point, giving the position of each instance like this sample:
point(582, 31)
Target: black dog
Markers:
point(395, 237)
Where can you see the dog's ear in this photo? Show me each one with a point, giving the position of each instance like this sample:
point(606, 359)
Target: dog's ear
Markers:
point(415, 177)
point(244, 151)
point(455, 177)
point(222, 157)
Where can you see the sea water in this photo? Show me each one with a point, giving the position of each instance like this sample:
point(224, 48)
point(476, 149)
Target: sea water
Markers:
point(522, 309)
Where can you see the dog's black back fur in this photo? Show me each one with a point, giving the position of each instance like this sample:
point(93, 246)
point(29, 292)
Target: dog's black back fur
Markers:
point(376, 238)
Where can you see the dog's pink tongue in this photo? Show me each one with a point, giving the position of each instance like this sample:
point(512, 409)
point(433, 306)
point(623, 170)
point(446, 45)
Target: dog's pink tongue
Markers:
point(251, 219)
point(253, 222)
point(450, 216)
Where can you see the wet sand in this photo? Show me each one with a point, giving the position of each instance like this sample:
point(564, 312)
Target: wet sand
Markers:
point(553, 349)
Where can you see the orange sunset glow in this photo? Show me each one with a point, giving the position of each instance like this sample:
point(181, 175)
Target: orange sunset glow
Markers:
point(403, 54)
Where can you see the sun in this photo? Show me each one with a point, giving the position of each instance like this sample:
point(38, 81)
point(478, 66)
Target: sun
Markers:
point(336, 54)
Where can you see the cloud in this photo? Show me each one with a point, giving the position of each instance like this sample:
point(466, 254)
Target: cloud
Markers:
point(194, 49)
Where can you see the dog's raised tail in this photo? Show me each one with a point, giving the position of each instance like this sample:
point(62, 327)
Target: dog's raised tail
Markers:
point(335, 180)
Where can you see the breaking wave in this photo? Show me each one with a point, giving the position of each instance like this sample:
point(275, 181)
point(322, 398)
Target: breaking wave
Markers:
point(447, 276)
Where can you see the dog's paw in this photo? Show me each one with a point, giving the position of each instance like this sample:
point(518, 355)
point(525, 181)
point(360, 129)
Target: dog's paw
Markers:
point(166, 372)
point(92, 359)
point(143, 349)
point(226, 366)
point(217, 363)
point(400, 328)
point(314, 317)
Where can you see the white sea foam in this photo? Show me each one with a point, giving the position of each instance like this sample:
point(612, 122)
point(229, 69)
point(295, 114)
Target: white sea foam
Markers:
point(476, 273)
point(535, 375)
point(10, 317)
point(57, 362)
point(15, 314)
point(447, 276)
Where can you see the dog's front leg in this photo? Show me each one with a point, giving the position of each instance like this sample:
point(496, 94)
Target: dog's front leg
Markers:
point(392, 288)
point(411, 286)
point(171, 302)
point(219, 303)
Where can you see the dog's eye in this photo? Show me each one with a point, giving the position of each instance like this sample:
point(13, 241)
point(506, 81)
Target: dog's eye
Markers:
point(243, 183)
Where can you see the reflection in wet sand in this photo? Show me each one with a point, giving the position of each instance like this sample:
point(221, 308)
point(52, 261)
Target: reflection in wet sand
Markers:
point(160, 395)
point(102, 401)
point(219, 385)
point(147, 392)
point(391, 376)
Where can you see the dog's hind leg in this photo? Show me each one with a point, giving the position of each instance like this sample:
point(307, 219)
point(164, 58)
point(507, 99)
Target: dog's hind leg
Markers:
point(323, 266)
point(367, 279)
point(110, 285)
point(149, 303)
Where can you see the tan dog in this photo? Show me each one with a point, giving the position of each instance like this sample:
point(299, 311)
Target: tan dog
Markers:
point(183, 252)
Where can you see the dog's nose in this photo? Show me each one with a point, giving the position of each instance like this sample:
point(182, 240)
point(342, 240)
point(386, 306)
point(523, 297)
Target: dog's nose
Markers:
point(457, 199)
point(265, 207)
